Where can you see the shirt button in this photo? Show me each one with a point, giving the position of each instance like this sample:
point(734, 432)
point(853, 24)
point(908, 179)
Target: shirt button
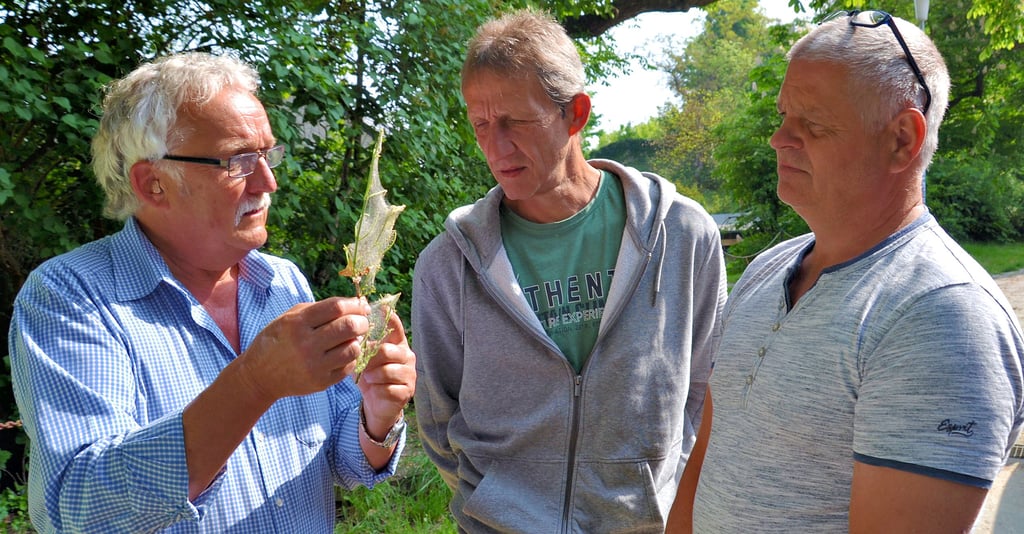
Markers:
point(776, 327)
point(761, 352)
point(279, 502)
point(750, 379)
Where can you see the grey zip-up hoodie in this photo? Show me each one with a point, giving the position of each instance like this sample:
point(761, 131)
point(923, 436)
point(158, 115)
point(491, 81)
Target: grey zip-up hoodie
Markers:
point(525, 443)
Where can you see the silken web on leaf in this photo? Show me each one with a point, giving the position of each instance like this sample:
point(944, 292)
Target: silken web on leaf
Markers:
point(374, 235)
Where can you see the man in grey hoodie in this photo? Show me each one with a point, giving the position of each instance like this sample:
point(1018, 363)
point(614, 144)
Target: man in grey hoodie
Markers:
point(564, 323)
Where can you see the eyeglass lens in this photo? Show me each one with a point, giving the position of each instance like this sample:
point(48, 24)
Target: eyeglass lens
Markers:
point(242, 165)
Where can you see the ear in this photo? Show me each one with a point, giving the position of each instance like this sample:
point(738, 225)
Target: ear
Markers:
point(908, 129)
point(579, 113)
point(146, 183)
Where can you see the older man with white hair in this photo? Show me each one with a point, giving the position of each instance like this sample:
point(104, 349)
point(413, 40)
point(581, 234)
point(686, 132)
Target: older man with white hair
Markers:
point(172, 377)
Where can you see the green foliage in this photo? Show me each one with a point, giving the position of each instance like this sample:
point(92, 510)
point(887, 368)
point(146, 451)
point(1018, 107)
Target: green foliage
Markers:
point(974, 186)
point(709, 76)
point(13, 497)
point(51, 69)
point(634, 146)
point(413, 502)
point(634, 151)
point(14, 509)
point(1002, 21)
point(977, 198)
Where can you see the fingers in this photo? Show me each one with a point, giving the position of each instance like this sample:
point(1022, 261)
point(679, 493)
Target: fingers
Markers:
point(340, 361)
point(322, 312)
point(394, 364)
point(343, 333)
point(388, 385)
point(340, 325)
point(332, 325)
point(309, 348)
point(396, 331)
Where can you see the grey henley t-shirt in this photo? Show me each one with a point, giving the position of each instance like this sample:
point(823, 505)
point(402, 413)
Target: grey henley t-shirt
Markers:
point(908, 357)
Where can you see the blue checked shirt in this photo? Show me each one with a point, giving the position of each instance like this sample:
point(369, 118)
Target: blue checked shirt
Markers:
point(107, 349)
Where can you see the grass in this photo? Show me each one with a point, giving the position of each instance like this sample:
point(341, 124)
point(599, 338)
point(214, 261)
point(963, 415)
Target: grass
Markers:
point(997, 258)
point(414, 501)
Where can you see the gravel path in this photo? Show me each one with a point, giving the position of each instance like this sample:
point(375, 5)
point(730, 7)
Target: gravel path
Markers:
point(1012, 285)
point(1003, 513)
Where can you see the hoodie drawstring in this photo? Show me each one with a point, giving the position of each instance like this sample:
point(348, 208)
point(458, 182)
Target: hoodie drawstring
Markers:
point(462, 298)
point(661, 264)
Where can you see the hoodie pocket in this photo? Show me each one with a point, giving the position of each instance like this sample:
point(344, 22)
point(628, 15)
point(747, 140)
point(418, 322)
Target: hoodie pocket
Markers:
point(617, 497)
point(518, 496)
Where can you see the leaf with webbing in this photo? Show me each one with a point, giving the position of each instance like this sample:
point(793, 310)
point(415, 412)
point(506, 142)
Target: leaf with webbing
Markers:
point(374, 235)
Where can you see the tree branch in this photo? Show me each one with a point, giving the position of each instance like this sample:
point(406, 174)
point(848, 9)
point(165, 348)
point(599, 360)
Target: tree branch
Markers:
point(595, 25)
point(978, 91)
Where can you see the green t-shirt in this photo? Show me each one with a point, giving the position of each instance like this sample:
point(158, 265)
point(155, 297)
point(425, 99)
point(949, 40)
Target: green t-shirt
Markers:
point(565, 268)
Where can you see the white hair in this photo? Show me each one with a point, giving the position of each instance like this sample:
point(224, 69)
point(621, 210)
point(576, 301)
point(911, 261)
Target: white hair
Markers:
point(878, 66)
point(140, 112)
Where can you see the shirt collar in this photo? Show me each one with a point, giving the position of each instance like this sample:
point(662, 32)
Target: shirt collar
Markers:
point(139, 268)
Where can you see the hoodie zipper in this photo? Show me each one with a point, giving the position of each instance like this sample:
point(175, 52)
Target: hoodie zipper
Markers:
point(577, 391)
point(570, 482)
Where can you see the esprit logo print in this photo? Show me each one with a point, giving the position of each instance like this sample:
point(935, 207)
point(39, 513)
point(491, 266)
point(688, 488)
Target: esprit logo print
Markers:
point(960, 429)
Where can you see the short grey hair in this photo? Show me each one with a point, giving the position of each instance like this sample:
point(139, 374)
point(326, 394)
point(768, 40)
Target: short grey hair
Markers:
point(877, 65)
point(140, 112)
point(524, 42)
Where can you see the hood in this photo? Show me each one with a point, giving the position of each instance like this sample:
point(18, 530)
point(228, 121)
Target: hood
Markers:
point(648, 199)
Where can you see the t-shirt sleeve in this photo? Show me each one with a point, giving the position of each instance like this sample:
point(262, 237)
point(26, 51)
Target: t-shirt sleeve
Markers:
point(940, 390)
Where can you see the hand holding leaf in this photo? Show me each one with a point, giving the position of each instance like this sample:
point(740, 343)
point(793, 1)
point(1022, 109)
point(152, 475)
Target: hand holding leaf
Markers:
point(374, 235)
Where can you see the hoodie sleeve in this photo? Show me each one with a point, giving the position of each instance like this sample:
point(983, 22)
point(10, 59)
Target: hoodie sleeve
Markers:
point(437, 342)
point(709, 295)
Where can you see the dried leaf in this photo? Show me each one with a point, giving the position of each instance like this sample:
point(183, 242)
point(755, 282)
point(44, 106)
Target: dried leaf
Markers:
point(374, 233)
point(380, 314)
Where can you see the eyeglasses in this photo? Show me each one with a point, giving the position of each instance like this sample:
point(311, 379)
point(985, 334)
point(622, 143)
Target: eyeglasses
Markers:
point(874, 19)
point(239, 165)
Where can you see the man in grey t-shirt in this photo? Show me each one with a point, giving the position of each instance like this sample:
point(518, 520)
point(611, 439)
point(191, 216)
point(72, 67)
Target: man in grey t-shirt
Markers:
point(869, 374)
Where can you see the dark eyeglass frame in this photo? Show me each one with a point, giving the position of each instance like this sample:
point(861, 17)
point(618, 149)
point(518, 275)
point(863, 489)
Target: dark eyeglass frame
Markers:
point(879, 18)
point(274, 157)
